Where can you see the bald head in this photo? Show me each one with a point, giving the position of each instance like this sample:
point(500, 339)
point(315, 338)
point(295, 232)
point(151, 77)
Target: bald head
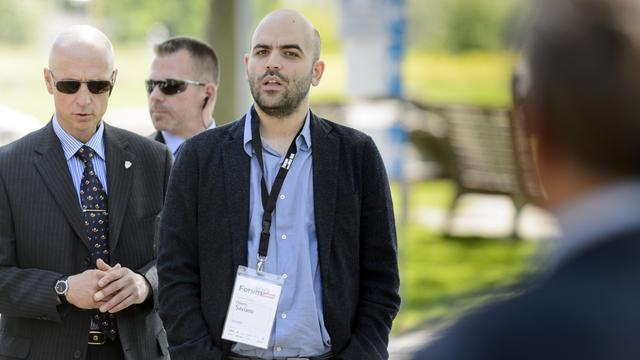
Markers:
point(285, 50)
point(290, 20)
point(80, 55)
point(82, 40)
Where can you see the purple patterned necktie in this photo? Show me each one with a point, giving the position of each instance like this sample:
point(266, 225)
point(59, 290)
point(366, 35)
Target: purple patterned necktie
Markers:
point(96, 222)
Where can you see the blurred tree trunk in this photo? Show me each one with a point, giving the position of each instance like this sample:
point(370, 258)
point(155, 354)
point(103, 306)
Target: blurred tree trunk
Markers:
point(222, 35)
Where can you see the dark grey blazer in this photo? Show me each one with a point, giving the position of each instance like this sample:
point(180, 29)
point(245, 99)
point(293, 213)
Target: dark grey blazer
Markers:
point(586, 309)
point(204, 232)
point(42, 238)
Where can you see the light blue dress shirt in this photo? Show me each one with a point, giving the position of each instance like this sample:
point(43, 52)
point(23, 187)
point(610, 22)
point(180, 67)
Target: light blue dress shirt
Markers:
point(70, 147)
point(299, 328)
point(174, 142)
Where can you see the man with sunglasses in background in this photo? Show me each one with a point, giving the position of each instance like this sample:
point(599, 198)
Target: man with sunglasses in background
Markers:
point(79, 201)
point(182, 88)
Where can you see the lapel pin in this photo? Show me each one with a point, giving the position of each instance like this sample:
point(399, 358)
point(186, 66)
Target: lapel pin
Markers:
point(127, 164)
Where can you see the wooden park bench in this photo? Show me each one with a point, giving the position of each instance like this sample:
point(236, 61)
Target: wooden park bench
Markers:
point(476, 152)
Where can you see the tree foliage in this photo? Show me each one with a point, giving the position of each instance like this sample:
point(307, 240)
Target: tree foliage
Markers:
point(16, 21)
point(130, 20)
point(461, 25)
point(440, 25)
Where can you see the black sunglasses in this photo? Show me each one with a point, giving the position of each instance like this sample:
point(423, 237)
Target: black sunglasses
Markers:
point(170, 86)
point(72, 86)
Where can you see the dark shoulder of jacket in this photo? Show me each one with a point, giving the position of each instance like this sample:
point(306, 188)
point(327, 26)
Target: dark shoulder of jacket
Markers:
point(24, 144)
point(137, 142)
point(215, 136)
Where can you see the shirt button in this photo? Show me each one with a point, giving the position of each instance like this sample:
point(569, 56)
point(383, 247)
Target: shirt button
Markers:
point(278, 348)
point(283, 237)
point(76, 354)
point(284, 276)
point(282, 197)
point(284, 316)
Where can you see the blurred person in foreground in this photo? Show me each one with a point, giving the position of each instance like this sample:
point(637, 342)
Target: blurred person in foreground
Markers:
point(317, 277)
point(582, 108)
point(79, 203)
point(182, 88)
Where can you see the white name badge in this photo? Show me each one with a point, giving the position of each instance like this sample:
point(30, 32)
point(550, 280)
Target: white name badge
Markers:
point(253, 306)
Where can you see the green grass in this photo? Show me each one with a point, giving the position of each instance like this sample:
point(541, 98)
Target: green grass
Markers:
point(476, 78)
point(23, 87)
point(472, 78)
point(441, 278)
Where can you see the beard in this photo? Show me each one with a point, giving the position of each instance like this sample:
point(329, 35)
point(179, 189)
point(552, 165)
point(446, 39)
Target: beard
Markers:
point(287, 103)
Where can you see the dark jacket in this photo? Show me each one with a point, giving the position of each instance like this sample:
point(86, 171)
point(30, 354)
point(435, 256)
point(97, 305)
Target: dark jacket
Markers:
point(42, 238)
point(204, 233)
point(586, 309)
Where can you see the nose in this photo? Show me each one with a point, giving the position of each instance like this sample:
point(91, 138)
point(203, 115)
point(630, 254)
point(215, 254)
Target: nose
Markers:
point(273, 61)
point(156, 94)
point(83, 96)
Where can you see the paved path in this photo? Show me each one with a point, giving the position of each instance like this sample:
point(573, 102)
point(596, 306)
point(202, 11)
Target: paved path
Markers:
point(489, 216)
point(402, 347)
point(14, 124)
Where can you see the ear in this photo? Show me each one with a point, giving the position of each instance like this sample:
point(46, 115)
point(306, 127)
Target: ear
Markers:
point(211, 90)
point(48, 80)
point(245, 60)
point(318, 70)
point(543, 148)
point(114, 75)
point(537, 130)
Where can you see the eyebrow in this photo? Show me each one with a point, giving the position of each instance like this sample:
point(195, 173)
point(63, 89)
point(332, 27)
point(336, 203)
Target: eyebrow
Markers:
point(285, 46)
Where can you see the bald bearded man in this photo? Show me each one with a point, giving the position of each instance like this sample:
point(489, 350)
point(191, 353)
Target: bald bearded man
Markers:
point(328, 248)
point(79, 201)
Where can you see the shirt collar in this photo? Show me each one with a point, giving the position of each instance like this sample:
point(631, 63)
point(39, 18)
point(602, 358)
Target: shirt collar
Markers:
point(173, 142)
point(303, 142)
point(213, 124)
point(71, 145)
point(597, 216)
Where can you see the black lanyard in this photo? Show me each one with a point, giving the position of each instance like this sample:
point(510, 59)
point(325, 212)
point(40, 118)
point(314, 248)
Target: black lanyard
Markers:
point(269, 199)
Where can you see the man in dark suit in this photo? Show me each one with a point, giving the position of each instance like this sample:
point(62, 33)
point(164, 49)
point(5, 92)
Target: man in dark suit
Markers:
point(182, 88)
point(581, 105)
point(331, 239)
point(79, 201)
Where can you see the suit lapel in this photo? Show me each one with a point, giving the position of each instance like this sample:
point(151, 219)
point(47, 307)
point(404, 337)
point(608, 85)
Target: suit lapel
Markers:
point(236, 165)
point(119, 181)
point(53, 168)
point(325, 147)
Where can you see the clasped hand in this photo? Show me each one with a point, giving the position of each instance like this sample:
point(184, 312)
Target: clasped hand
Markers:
point(107, 288)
